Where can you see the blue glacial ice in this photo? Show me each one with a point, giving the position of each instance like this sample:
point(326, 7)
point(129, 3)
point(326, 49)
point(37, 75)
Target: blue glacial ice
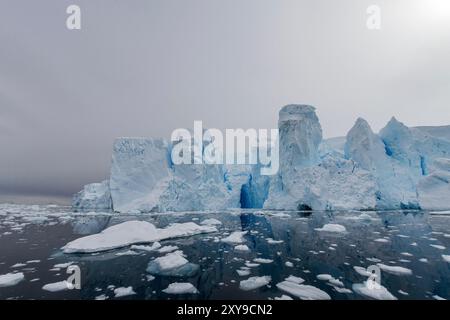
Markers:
point(399, 168)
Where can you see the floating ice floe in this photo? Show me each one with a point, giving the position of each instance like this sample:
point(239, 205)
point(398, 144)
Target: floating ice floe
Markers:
point(18, 265)
point(295, 279)
point(262, 260)
point(132, 232)
point(211, 222)
point(289, 264)
point(56, 286)
point(446, 257)
point(333, 281)
point(180, 288)
point(153, 247)
point(283, 297)
point(403, 293)
point(376, 292)
point(272, 241)
point(254, 283)
point(11, 279)
point(235, 237)
point(437, 246)
point(172, 264)
point(324, 277)
point(127, 253)
point(243, 272)
point(397, 270)
point(63, 265)
point(332, 227)
point(167, 249)
point(304, 292)
point(382, 240)
point(242, 247)
point(123, 292)
point(342, 290)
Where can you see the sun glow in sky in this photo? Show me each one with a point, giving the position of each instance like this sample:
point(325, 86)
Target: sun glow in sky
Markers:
point(434, 11)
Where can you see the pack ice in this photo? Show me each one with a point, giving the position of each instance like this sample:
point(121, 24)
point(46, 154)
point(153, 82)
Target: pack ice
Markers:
point(398, 168)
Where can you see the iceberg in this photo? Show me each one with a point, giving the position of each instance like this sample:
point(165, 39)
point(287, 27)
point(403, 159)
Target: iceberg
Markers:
point(399, 168)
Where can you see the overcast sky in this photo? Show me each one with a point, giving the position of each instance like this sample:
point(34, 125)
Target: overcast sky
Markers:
point(146, 67)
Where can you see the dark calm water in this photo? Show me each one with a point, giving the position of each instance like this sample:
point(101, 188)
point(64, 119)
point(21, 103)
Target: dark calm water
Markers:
point(30, 233)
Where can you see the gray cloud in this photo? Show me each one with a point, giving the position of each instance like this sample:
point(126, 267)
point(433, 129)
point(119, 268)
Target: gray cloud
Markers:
point(144, 68)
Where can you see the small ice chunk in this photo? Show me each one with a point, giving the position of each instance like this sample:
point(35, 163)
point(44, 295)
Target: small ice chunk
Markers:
point(446, 257)
point(63, 265)
point(242, 247)
point(11, 279)
point(397, 270)
point(303, 292)
point(18, 265)
point(382, 240)
point(262, 260)
point(283, 297)
point(33, 261)
point(171, 260)
point(172, 264)
point(251, 265)
point(242, 272)
point(362, 271)
point(377, 292)
point(437, 246)
point(180, 288)
point(342, 290)
point(235, 237)
point(406, 254)
point(403, 293)
point(324, 277)
point(294, 279)
point(424, 260)
point(332, 227)
point(57, 286)
point(123, 292)
point(254, 283)
point(289, 264)
point(436, 297)
point(336, 282)
point(272, 241)
point(101, 297)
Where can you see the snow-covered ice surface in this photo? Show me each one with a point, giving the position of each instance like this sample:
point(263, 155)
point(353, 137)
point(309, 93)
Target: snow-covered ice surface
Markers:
point(302, 262)
point(11, 279)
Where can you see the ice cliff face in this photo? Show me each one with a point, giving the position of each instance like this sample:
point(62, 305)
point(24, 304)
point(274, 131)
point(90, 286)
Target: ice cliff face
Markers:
point(399, 168)
point(396, 187)
point(306, 181)
point(143, 179)
point(94, 196)
point(434, 189)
